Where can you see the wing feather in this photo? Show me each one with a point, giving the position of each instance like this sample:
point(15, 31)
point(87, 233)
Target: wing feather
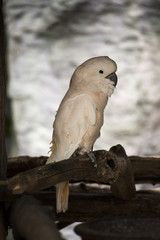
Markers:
point(73, 118)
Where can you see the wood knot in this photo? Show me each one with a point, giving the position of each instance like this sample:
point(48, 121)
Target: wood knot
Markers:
point(108, 167)
point(111, 164)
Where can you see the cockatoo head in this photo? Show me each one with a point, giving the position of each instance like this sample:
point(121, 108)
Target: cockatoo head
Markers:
point(97, 75)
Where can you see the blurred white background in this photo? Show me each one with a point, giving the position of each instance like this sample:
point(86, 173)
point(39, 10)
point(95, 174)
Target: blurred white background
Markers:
point(48, 39)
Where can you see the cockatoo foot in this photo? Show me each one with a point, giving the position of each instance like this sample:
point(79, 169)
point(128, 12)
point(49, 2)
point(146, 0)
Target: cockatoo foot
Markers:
point(93, 158)
point(79, 152)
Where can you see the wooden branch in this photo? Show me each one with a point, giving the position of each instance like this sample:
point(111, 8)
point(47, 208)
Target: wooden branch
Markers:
point(146, 169)
point(29, 219)
point(24, 163)
point(110, 167)
point(89, 206)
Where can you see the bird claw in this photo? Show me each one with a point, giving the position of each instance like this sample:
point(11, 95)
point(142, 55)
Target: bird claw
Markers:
point(93, 158)
point(90, 155)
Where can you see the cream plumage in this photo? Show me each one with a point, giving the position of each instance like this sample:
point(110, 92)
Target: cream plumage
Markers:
point(80, 115)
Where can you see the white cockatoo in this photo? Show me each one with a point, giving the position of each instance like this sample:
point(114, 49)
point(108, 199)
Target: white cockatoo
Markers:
point(80, 115)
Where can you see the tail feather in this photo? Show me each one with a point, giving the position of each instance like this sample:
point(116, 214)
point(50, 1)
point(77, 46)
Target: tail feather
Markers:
point(62, 189)
point(62, 194)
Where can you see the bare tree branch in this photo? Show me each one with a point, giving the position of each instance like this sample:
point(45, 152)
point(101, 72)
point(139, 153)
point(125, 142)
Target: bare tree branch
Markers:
point(110, 167)
point(146, 169)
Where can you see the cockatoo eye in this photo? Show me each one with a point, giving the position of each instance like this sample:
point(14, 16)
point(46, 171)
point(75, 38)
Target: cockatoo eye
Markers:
point(101, 71)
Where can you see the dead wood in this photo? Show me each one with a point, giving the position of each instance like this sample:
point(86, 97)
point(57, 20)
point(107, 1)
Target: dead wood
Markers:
point(109, 168)
point(146, 169)
point(24, 163)
point(124, 187)
point(29, 219)
point(89, 206)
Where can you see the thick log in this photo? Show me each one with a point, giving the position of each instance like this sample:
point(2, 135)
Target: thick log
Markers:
point(29, 219)
point(146, 169)
point(109, 168)
point(3, 156)
point(89, 206)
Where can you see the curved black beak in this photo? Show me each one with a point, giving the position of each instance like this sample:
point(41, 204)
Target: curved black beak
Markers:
point(113, 77)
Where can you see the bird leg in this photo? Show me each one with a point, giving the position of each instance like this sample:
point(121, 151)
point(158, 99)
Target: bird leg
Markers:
point(79, 152)
point(92, 157)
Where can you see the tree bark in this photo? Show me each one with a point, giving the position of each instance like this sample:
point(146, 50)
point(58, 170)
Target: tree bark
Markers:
point(109, 168)
point(3, 157)
point(89, 206)
point(145, 169)
point(23, 163)
point(124, 187)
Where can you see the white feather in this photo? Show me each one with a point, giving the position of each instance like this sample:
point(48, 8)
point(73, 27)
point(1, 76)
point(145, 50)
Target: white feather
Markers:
point(74, 117)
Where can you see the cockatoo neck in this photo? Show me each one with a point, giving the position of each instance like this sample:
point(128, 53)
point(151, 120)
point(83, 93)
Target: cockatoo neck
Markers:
point(92, 86)
point(99, 97)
